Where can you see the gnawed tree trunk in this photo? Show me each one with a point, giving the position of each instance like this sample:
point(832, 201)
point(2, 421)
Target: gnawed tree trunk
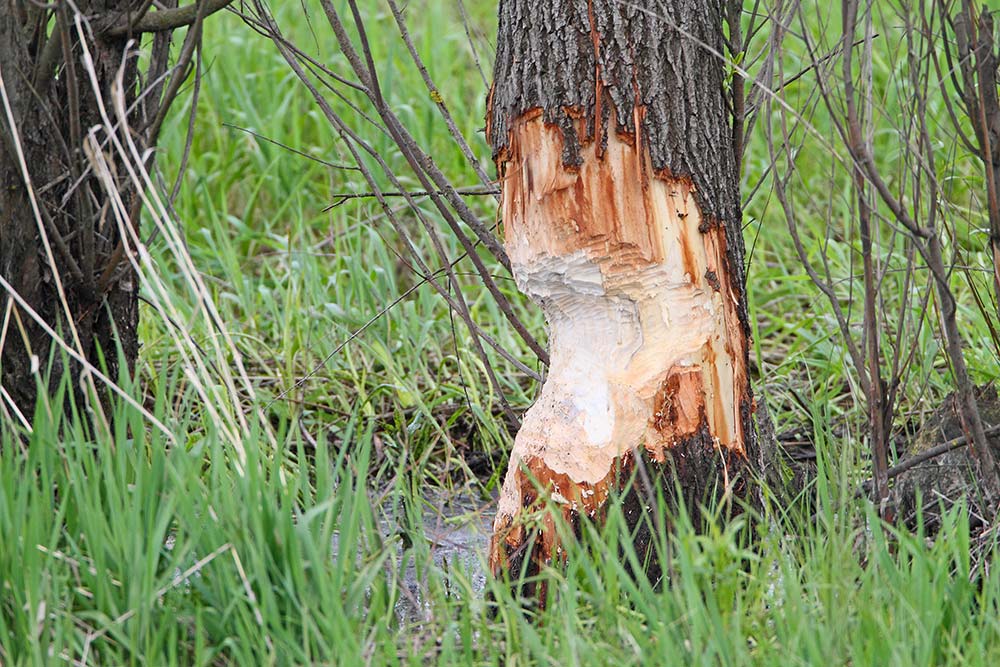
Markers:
point(614, 149)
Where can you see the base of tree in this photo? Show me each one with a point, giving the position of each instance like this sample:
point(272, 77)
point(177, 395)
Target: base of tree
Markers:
point(934, 473)
point(930, 489)
point(696, 477)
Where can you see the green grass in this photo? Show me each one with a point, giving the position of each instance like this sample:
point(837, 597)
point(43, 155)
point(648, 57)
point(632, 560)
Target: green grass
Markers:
point(145, 554)
point(133, 550)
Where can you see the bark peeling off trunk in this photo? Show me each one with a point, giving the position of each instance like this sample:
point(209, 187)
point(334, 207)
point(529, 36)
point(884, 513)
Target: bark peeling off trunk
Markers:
point(646, 334)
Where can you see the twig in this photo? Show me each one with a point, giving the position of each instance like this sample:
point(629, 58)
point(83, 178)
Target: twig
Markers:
point(435, 94)
point(343, 197)
point(166, 19)
point(257, 135)
point(924, 456)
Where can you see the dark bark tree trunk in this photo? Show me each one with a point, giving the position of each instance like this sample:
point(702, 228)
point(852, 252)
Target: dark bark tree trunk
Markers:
point(54, 105)
point(100, 288)
point(613, 138)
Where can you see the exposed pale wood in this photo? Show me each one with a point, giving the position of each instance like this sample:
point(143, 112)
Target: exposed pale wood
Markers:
point(646, 342)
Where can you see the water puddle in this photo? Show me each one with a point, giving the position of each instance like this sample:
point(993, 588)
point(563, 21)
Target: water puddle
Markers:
point(457, 529)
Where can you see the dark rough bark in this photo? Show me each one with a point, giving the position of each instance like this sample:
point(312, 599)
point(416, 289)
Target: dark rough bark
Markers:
point(606, 73)
point(54, 106)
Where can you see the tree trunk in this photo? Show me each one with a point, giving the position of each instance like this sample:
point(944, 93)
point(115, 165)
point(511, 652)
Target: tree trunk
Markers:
point(80, 228)
point(621, 213)
point(74, 239)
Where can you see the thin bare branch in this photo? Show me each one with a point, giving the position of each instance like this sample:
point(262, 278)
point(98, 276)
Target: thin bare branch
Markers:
point(166, 19)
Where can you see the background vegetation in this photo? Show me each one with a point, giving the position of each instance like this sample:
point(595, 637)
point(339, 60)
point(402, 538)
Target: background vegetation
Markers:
point(296, 516)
